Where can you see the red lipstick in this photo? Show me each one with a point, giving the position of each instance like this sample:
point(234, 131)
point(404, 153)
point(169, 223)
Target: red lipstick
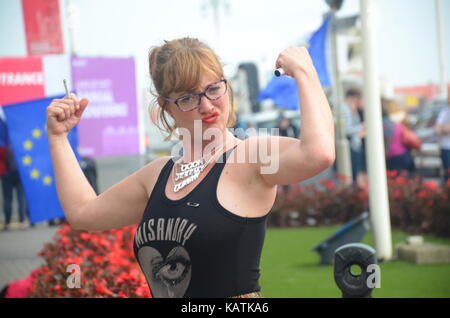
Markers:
point(210, 118)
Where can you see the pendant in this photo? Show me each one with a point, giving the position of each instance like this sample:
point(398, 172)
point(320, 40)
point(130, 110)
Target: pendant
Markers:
point(191, 165)
point(189, 172)
point(185, 182)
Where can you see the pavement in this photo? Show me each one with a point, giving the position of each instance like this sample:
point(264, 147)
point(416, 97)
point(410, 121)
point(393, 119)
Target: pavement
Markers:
point(18, 249)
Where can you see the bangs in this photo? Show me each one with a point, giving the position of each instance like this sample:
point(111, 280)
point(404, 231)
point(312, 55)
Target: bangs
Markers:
point(187, 69)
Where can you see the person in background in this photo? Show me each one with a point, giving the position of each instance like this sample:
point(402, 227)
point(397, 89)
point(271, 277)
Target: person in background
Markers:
point(354, 129)
point(287, 129)
point(11, 182)
point(362, 176)
point(398, 141)
point(442, 129)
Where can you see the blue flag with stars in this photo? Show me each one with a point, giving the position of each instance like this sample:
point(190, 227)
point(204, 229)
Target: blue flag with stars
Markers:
point(27, 133)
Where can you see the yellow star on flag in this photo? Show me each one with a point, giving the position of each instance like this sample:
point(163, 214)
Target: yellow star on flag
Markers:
point(28, 144)
point(26, 160)
point(37, 133)
point(34, 174)
point(47, 180)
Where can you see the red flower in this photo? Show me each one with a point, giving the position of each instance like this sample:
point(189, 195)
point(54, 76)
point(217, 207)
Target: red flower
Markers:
point(392, 173)
point(362, 195)
point(329, 184)
point(122, 295)
point(56, 288)
point(401, 180)
point(397, 194)
point(65, 240)
point(142, 291)
point(431, 185)
point(87, 253)
point(85, 236)
point(422, 194)
point(99, 259)
point(102, 289)
point(74, 260)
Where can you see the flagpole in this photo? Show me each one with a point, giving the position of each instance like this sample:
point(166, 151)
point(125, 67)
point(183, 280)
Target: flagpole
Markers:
point(378, 194)
point(440, 43)
point(72, 25)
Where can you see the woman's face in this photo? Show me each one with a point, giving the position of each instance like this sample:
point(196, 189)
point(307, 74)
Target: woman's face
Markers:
point(219, 107)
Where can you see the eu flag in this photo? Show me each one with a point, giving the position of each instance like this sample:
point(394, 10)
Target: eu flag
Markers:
point(283, 90)
point(26, 128)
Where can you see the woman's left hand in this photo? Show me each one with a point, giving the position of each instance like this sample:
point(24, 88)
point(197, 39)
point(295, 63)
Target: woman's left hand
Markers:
point(295, 61)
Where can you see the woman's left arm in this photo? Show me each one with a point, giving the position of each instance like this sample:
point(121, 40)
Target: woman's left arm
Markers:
point(301, 159)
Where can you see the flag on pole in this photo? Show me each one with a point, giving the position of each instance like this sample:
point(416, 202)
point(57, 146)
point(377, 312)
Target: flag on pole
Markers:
point(317, 49)
point(27, 133)
point(283, 90)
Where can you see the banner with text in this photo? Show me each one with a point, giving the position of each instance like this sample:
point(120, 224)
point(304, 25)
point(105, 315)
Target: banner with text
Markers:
point(109, 125)
point(42, 27)
point(21, 79)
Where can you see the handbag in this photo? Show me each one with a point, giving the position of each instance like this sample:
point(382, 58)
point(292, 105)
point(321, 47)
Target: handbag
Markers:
point(3, 168)
point(410, 139)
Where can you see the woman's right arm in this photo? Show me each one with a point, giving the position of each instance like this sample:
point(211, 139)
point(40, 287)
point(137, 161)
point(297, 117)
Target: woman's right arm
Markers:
point(119, 206)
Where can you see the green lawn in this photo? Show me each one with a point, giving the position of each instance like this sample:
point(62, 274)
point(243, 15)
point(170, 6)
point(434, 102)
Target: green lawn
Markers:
point(290, 269)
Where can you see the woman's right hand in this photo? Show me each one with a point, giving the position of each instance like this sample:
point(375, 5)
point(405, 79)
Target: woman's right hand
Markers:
point(64, 114)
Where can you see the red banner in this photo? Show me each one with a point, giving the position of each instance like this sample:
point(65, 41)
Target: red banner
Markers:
point(21, 79)
point(42, 27)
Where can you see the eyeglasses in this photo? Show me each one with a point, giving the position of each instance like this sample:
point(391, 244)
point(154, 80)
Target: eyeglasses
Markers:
point(192, 101)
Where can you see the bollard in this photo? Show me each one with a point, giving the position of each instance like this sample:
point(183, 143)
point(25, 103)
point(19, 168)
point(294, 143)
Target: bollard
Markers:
point(355, 254)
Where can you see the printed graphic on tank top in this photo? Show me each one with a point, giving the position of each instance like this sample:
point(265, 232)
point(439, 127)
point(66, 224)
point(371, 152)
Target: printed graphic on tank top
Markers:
point(194, 247)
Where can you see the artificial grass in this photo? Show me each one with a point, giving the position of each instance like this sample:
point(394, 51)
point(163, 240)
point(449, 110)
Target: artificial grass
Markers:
point(289, 268)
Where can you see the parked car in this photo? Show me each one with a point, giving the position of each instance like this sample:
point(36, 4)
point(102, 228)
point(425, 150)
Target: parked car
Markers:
point(427, 158)
point(270, 119)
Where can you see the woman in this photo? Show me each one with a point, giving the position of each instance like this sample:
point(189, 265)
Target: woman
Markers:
point(442, 129)
point(398, 142)
point(201, 219)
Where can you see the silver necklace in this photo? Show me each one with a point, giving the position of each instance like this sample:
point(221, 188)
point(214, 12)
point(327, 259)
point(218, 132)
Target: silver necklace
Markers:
point(191, 171)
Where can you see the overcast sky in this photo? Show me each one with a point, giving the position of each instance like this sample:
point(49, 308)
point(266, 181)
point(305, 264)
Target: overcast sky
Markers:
point(251, 30)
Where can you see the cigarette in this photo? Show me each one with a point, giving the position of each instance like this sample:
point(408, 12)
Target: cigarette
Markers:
point(65, 86)
point(279, 72)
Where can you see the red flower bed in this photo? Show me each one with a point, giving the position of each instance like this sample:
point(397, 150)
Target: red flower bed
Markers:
point(106, 262)
point(416, 206)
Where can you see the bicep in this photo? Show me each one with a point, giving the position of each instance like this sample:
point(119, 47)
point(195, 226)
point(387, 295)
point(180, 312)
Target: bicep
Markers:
point(119, 206)
point(289, 161)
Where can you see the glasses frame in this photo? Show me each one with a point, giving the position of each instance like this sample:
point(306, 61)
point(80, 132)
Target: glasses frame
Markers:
point(200, 95)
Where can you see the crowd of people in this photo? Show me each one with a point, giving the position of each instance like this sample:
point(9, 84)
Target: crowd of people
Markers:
point(400, 140)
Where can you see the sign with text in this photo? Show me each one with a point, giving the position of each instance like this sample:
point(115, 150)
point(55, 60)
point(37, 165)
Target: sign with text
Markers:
point(21, 79)
point(109, 125)
point(42, 27)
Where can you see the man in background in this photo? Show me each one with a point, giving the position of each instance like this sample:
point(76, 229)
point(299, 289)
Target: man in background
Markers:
point(442, 129)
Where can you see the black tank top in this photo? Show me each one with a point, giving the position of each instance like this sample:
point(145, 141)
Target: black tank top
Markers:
point(194, 247)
